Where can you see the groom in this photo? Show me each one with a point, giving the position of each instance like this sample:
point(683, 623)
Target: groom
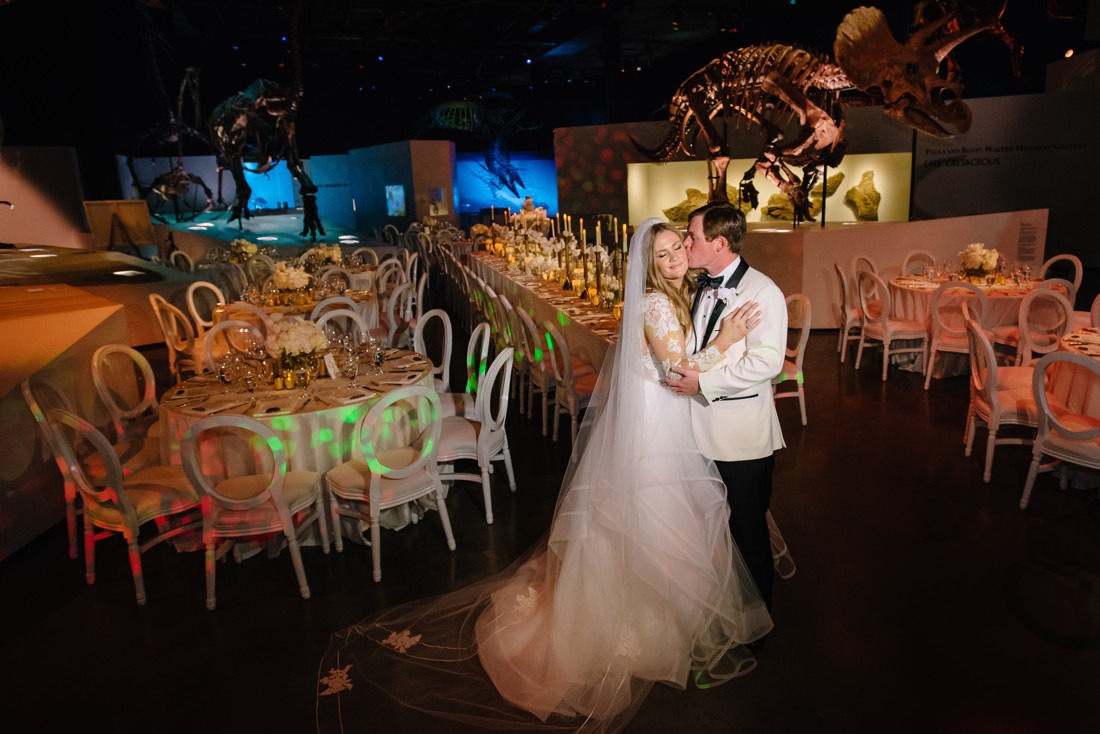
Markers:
point(732, 410)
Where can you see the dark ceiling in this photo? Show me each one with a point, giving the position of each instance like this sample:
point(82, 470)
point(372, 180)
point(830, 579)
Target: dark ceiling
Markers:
point(98, 75)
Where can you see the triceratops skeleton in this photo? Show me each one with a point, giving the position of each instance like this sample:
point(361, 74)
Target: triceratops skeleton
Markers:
point(772, 85)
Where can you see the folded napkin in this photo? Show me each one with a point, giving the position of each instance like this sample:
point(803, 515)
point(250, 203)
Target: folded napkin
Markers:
point(217, 404)
point(184, 393)
point(408, 362)
point(281, 403)
point(396, 378)
point(345, 395)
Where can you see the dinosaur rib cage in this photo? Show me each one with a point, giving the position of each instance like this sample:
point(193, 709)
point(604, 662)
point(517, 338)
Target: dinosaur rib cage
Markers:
point(732, 86)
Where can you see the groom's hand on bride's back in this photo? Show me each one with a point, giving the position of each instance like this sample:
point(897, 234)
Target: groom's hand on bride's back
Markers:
point(687, 383)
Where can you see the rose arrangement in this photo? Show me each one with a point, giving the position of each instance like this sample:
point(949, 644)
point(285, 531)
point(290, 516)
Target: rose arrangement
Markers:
point(293, 340)
point(479, 229)
point(242, 250)
point(976, 260)
point(288, 277)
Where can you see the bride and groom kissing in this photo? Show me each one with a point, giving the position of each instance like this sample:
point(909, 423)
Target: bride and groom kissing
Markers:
point(657, 566)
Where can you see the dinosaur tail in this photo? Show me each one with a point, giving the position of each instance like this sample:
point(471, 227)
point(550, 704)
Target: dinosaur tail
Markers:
point(672, 140)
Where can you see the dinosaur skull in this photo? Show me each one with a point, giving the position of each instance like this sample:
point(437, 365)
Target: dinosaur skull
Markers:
point(907, 75)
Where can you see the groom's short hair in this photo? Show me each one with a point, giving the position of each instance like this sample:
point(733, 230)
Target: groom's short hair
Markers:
point(722, 219)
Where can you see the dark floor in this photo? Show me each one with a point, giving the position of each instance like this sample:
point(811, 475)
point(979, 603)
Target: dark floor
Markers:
point(925, 600)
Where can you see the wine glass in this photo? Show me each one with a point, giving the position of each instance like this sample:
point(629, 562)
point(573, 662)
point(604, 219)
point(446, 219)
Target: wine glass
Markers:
point(348, 362)
point(226, 371)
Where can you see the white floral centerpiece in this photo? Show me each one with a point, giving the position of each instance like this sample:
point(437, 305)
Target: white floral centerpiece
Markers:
point(241, 250)
point(288, 277)
point(977, 261)
point(294, 341)
point(535, 219)
point(323, 255)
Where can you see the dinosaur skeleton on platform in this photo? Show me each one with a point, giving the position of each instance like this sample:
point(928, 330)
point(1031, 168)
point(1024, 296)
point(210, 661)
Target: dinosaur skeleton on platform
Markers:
point(773, 85)
point(259, 127)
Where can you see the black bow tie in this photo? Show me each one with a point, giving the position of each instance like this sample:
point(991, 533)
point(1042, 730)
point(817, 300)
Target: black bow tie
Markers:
point(709, 281)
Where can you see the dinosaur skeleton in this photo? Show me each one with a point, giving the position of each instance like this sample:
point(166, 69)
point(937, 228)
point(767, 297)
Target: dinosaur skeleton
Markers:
point(773, 85)
point(259, 127)
point(493, 117)
point(176, 183)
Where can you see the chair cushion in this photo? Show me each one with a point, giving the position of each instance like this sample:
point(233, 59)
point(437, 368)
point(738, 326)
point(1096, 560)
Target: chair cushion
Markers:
point(1077, 451)
point(458, 438)
point(790, 372)
point(351, 481)
point(1017, 406)
point(299, 487)
point(155, 492)
point(899, 329)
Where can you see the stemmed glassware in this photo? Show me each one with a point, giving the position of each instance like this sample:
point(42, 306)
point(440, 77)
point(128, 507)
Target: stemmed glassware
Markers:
point(348, 362)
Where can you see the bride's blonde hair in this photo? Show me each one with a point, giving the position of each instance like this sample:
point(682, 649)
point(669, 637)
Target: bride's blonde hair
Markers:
point(681, 298)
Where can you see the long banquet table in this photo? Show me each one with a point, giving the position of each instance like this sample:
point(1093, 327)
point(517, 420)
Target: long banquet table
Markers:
point(588, 329)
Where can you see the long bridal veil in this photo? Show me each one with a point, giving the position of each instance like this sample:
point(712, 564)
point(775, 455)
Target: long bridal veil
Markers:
point(636, 582)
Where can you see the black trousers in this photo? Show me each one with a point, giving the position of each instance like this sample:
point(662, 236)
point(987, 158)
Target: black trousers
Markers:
point(749, 492)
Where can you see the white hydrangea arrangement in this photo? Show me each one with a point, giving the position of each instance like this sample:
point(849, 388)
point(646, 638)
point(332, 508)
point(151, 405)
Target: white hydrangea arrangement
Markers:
point(289, 277)
point(324, 255)
point(976, 259)
point(289, 337)
point(242, 249)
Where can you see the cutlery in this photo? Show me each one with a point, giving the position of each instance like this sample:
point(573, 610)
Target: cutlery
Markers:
point(227, 407)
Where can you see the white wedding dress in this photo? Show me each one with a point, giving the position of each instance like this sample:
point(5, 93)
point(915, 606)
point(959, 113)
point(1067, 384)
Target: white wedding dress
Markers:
point(637, 581)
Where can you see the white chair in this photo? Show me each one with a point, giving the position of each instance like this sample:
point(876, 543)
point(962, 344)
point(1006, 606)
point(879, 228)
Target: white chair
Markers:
point(540, 374)
point(390, 235)
point(1057, 267)
point(994, 404)
point(851, 315)
point(421, 295)
point(857, 265)
point(389, 275)
point(411, 270)
point(798, 321)
point(334, 278)
point(249, 312)
point(342, 323)
point(131, 401)
point(1094, 312)
point(368, 255)
point(1045, 317)
point(481, 437)
point(259, 268)
point(203, 315)
point(398, 316)
point(915, 261)
point(477, 361)
point(384, 473)
point(184, 348)
point(879, 326)
point(948, 309)
point(572, 392)
point(331, 302)
point(122, 505)
point(253, 505)
point(441, 371)
point(521, 364)
point(1063, 435)
point(230, 336)
point(180, 260)
point(41, 396)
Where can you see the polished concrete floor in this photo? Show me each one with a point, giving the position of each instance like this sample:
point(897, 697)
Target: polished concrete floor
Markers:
point(925, 600)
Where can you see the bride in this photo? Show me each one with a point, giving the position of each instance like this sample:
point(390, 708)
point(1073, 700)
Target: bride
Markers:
point(637, 582)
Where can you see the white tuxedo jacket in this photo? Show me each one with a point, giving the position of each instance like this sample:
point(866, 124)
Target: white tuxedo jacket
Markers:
point(734, 415)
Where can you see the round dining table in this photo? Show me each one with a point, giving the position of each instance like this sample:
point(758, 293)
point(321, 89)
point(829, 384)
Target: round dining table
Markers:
point(911, 298)
point(316, 424)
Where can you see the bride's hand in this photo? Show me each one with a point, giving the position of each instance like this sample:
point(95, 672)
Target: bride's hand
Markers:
point(739, 322)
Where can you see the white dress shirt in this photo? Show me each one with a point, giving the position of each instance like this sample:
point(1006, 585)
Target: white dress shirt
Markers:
point(707, 302)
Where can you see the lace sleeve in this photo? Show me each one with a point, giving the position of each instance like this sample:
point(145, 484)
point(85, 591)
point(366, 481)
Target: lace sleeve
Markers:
point(705, 359)
point(662, 331)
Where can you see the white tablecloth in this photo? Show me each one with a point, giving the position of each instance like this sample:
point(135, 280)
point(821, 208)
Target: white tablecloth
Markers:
point(587, 329)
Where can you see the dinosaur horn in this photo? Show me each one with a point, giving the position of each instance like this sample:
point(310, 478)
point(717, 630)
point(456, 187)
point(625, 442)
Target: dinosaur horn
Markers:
point(947, 44)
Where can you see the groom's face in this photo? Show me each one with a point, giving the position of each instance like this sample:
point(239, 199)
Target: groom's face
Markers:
point(701, 251)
